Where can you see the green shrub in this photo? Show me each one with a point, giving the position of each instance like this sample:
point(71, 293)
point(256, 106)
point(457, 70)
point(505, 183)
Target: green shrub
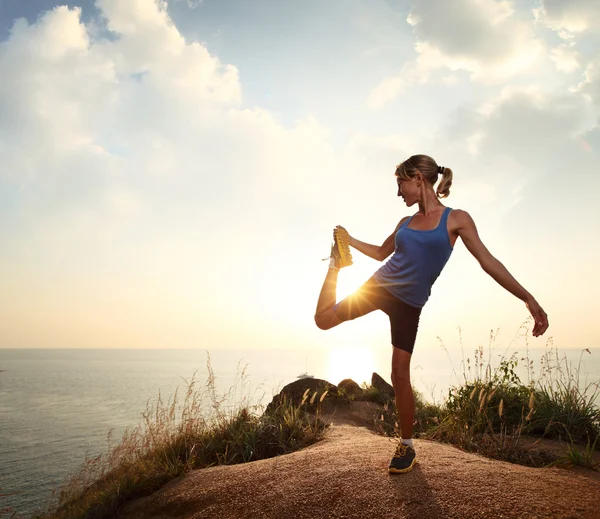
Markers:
point(492, 409)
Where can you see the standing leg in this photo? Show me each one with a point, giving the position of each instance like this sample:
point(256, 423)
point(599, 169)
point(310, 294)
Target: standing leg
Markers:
point(404, 458)
point(405, 401)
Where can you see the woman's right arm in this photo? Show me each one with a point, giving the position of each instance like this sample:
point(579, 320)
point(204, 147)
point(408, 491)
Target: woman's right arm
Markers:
point(378, 252)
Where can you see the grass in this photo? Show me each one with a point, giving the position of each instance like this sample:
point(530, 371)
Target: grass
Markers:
point(585, 458)
point(492, 412)
point(173, 439)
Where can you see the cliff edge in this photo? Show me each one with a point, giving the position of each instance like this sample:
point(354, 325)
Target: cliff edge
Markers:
point(345, 476)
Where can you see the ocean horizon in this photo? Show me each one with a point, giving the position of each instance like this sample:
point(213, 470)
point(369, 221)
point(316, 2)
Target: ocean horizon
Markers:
point(59, 405)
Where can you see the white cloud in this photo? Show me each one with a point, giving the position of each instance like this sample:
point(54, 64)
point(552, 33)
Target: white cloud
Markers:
point(565, 58)
point(529, 122)
point(520, 139)
point(569, 17)
point(485, 38)
point(577, 22)
point(192, 4)
point(133, 158)
point(388, 90)
point(413, 72)
point(590, 86)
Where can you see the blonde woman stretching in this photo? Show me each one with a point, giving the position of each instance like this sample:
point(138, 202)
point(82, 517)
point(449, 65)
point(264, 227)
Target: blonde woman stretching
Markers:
point(420, 247)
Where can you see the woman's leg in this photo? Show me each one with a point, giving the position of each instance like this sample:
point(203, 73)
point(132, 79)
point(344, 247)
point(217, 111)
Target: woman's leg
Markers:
point(325, 316)
point(404, 458)
point(363, 301)
point(405, 401)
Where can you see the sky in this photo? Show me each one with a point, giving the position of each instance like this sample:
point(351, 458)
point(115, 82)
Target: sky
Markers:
point(170, 173)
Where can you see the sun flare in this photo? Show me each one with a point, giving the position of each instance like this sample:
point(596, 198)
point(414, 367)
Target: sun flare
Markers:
point(351, 279)
point(357, 363)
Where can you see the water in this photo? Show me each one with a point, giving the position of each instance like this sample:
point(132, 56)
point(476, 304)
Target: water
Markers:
point(56, 406)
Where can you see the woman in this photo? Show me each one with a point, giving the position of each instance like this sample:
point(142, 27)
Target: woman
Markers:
point(421, 245)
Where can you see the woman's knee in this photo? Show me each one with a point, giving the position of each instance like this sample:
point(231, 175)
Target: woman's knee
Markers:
point(322, 322)
point(400, 377)
point(328, 319)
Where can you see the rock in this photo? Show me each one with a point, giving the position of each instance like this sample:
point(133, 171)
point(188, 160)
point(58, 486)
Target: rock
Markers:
point(351, 388)
point(294, 392)
point(346, 476)
point(382, 386)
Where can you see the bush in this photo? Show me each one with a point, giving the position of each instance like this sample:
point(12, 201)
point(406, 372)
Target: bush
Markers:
point(492, 409)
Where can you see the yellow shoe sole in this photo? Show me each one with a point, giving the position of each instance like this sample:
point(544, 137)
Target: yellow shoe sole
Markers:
point(342, 240)
point(392, 470)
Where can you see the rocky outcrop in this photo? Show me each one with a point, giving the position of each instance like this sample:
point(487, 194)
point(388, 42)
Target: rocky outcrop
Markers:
point(385, 389)
point(295, 391)
point(351, 388)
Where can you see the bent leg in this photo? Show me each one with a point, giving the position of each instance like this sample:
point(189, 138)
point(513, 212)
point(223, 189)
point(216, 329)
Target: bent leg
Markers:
point(329, 314)
point(325, 316)
point(405, 401)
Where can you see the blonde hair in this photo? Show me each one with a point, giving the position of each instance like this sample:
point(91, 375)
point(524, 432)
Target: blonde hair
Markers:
point(430, 171)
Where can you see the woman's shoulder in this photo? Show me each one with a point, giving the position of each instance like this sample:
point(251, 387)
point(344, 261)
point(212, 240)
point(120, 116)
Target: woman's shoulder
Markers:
point(402, 221)
point(457, 213)
point(459, 218)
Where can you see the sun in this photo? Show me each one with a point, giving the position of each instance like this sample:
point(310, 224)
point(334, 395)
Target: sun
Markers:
point(357, 363)
point(350, 279)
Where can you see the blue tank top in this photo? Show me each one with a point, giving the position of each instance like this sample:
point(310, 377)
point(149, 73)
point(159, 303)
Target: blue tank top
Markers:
point(418, 259)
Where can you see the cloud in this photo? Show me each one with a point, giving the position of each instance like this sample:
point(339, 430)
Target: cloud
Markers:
point(516, 142)
point(391, 87)
point(531, 181)
point(487, 39)
point(133, 158)
point(590, 86)
point(85, 117)
point(192, 4)
point(565, 58)
point(483, 37)
point(569, 17)
point(530, 124)
point(141, 111)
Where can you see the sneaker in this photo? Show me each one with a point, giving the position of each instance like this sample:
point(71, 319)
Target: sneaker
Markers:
point(403, 460)
point(340, 251)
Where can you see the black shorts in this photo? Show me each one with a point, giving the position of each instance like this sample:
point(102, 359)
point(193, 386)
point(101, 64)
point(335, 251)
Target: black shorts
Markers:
point(404, 318)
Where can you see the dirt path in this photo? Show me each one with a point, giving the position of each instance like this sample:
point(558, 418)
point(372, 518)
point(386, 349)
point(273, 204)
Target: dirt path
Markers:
point(345, 476)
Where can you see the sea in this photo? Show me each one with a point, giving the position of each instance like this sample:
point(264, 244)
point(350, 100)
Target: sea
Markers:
point(59, 406)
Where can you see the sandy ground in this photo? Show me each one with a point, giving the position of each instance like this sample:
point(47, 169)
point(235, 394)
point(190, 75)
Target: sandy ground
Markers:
point(345, 476)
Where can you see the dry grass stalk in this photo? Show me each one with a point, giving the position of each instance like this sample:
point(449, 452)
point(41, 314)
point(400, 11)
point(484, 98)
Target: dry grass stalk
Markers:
point(305, 396)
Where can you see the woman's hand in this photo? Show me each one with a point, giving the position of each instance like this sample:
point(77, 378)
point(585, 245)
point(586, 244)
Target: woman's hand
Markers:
point(539, 316)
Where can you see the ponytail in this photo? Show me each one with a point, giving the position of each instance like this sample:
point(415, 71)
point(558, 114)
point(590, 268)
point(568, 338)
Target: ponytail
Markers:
point(443, 189)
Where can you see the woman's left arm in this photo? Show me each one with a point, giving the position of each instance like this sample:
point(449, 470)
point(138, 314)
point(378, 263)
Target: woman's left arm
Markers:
point(468, 232)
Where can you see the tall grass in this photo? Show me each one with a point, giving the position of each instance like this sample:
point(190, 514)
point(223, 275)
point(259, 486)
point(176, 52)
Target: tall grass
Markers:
point(206, 429)
point(492, 411)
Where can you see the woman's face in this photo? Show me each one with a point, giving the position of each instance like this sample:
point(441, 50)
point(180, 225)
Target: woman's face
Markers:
point(408, 190)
